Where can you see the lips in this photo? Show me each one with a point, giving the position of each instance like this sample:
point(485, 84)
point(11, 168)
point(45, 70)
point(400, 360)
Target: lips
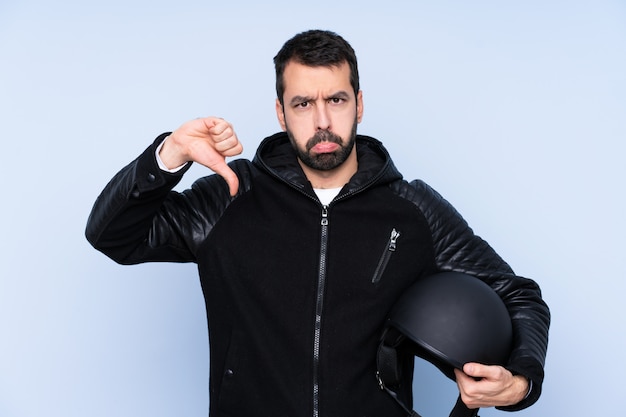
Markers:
point(325, 147)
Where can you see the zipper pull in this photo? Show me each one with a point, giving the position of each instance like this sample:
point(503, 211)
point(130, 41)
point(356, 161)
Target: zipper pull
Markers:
point(392, 240)
point(325, 216)
point(386, 256)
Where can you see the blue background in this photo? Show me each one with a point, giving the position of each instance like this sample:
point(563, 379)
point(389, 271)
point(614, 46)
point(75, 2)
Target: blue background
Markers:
point(514, 111)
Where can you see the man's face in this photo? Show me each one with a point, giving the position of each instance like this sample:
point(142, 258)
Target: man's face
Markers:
point(320, 113)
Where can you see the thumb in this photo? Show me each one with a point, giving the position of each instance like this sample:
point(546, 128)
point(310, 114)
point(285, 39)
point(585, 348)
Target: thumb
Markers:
point(223, 170)
point(477, 370)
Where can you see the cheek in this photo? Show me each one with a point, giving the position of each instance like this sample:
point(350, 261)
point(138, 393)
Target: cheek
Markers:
point(299, 125)
point(344, 122)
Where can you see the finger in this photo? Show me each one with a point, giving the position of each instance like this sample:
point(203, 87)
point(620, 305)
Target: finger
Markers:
point(488, 372)
point(200, 126)
point(465, 380)
point(477, 370)
point(227, 144)
point(233, 151)
point(460, 375)
point(466, 386)
point(224, 171)
point(220, 128)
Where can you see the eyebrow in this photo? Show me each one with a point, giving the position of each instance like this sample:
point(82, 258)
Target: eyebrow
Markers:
point(299, 99)
point(340, 94)
point(302, 99)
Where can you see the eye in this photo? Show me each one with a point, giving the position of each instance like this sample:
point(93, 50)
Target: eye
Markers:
point(336, 100)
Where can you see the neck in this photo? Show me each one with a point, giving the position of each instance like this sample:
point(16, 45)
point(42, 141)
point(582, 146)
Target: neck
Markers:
point(334, 178)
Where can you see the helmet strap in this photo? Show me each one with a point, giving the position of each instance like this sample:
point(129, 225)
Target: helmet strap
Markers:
point(389, 374)
point(461, 410)
point(389, 371)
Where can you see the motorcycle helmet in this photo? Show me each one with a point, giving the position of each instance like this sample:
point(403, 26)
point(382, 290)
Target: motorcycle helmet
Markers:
point(447, 319)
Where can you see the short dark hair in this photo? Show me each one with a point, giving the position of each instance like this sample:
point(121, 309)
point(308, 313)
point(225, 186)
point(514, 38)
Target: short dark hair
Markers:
point(315, 48)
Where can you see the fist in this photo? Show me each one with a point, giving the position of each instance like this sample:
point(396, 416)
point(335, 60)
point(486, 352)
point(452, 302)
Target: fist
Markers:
point(207, 141)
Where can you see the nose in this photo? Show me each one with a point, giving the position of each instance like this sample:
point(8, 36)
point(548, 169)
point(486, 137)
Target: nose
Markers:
point(322, 117)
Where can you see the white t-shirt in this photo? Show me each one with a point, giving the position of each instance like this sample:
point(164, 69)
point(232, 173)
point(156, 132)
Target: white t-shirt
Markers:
point(326, 195)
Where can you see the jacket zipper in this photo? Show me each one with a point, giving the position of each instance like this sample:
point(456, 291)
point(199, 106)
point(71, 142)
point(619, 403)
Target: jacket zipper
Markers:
point(321, 283)
point(384, 259)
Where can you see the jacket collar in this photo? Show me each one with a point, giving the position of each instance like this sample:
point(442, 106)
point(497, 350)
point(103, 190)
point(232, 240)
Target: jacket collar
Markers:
point(276, 156)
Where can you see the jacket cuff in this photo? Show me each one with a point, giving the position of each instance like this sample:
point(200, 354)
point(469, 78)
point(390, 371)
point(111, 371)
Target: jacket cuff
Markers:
point(148, 174)
point(533, 371)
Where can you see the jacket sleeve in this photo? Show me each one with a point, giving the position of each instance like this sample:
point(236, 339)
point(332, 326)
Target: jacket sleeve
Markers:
point(138, 218)
point(457, 248)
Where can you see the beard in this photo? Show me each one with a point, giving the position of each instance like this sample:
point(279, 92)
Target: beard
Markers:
point(324, 161)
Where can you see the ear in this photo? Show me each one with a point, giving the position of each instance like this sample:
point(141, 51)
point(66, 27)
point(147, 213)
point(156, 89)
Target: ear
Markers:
point(359, 106)
point(280, 113)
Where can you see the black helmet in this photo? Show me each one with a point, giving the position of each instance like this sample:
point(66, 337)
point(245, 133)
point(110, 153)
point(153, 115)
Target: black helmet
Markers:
point(448, 319)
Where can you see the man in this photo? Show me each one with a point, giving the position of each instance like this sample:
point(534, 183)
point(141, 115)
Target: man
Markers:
point(294, 250)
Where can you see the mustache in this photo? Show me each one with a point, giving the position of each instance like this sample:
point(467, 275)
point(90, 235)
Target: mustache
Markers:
point(323, 136)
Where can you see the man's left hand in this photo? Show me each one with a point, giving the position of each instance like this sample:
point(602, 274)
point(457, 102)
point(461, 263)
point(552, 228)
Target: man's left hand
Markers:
point(489, 386)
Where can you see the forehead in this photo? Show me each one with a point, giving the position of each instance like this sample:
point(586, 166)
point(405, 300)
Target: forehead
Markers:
point(300, 79)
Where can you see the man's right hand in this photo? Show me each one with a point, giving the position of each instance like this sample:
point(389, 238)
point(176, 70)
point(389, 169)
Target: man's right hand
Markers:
point(207, 141)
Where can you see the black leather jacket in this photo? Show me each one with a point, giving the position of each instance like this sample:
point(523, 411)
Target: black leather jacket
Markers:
point(295, 301)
